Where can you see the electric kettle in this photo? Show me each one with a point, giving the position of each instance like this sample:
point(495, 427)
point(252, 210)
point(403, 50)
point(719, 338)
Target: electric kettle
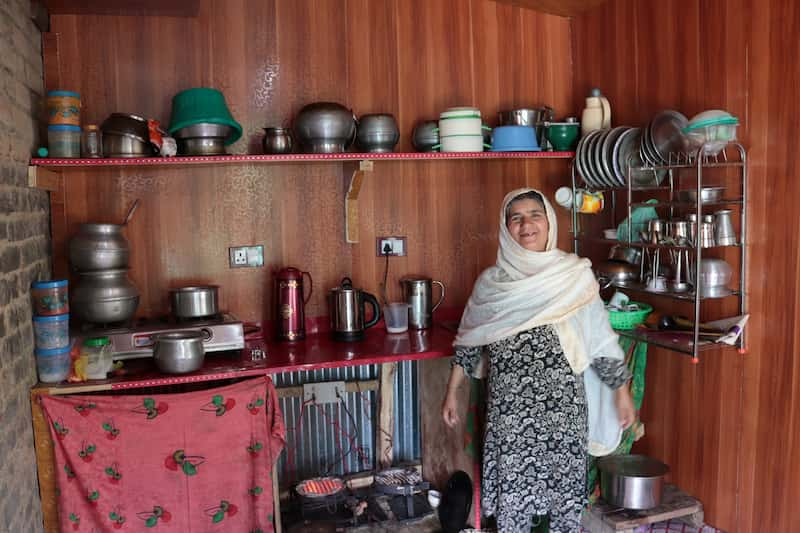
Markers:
point(347, 311)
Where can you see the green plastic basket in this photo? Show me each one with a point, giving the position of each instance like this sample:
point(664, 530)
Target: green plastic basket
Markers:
point(202, 105)
point(629, 319)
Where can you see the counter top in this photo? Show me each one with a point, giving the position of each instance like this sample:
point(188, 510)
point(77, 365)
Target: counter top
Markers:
point(317, 351)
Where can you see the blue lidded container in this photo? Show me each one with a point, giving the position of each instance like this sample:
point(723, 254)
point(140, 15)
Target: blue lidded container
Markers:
point(53, 365)
point(51, 332)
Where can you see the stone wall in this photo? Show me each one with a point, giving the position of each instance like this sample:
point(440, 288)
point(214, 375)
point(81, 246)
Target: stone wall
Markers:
point(24, 256)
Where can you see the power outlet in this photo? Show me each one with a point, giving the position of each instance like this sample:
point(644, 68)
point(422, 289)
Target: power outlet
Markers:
point(396, 246)
point(246, 256)
point(328, 392)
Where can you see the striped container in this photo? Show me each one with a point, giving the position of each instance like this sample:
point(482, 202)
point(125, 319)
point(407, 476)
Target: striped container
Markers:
point(64, 108)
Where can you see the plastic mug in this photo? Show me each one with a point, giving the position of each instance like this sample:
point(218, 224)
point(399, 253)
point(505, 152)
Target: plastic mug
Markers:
point(395, 315)
point(584, 201)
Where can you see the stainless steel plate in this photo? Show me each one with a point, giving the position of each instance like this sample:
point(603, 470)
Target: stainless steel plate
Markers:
point(588, 159)
point(581, 159)
point(607, 155)
point(597, 159)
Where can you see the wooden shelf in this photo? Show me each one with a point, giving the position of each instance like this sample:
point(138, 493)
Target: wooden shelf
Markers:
point(315, 352)
point(290, 158)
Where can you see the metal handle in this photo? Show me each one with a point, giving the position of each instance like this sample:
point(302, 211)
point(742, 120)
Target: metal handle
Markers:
point(310, 287)
point(441, 297)
point(376, 309)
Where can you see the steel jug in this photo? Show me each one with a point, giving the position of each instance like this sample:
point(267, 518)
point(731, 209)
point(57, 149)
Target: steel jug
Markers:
point(347, 311)
point(290, 303)
point(417, 293)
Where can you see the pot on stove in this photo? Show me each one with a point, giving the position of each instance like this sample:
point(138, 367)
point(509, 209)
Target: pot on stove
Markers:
point(347, 311)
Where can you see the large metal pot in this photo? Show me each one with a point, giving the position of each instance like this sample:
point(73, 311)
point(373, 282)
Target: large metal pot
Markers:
point(104, 296)
point(616, 272)
point(631, 481)
point(194, 302)
point(325, 127)
point(99, 247)
point(178, 352)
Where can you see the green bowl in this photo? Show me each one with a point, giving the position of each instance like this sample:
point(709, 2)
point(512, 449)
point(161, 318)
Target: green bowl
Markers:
point(563, 136)
point(202, 105)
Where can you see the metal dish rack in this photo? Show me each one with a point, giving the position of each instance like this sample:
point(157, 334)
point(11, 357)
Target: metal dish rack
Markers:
point(733, 155)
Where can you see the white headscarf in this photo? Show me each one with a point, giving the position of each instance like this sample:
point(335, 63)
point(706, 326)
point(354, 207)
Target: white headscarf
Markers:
point(526, 289)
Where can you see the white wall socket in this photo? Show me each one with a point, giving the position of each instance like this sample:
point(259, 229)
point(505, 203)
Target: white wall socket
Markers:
point(395, 245)
point(246, 256)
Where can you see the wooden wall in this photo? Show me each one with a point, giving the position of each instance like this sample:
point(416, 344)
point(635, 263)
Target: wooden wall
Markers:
point(410, 58)
point(728, 426)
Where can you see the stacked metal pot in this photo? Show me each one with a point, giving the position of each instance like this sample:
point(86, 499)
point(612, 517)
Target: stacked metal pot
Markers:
point(103, 294)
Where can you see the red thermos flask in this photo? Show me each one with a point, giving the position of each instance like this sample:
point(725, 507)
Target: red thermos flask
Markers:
point(290, 315)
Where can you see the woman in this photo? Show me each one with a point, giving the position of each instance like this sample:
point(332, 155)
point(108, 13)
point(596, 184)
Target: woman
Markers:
point(536, 325)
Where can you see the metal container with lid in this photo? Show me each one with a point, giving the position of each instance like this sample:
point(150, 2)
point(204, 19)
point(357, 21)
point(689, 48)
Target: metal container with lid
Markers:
point(631, 481)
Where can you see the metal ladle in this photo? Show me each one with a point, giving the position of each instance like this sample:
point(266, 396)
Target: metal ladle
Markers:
point(131, 210)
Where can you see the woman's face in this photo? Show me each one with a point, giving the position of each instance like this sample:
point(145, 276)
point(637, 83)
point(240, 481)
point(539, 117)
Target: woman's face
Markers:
point(527, 223)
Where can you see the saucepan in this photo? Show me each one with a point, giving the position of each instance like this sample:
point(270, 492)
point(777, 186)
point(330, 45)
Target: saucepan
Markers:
point(194, 302)
point(631, 481)
point(178, 352)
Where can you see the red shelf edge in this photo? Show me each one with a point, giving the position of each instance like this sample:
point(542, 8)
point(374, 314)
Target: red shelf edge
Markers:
point(289, 158)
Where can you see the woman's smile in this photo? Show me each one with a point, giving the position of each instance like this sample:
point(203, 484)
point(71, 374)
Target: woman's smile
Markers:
point(527, 223)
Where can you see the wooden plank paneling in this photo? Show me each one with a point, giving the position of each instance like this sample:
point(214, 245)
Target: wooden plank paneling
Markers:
point(564, 8)
point(728, 425)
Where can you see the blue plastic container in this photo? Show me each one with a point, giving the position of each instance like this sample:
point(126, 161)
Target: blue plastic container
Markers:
point(53, 365)
point(514, 139)
point(51, 332)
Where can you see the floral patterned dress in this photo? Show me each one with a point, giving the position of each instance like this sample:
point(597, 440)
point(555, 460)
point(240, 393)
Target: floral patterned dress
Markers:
point(534, 455)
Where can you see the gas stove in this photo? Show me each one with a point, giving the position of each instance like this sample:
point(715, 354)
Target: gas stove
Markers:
point(135, 340)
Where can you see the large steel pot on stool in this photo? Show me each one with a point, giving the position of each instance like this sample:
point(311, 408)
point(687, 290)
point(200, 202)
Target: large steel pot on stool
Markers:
point(631, 481)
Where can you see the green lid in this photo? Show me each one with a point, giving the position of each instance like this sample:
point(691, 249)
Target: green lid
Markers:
point(711, 122)
point(97, 341)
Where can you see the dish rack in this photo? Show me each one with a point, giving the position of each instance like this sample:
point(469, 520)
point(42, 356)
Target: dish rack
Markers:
point(684, 166)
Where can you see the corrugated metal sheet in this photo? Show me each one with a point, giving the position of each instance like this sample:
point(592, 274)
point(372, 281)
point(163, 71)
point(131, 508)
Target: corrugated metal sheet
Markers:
point(339, 439)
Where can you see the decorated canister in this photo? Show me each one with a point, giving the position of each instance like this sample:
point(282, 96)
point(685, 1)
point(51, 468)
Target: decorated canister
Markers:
point(64, 107)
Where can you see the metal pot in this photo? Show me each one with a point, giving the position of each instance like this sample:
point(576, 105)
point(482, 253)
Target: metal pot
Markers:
point(194, 302)
point(178, 352)
point(277, 141)
point(425, 136)
point(627, 254)
point(99, 247)
point(325, 127)
point(104, 296)
point(378, 133)
point(123, 145)
point(616, 272)
point(201, 146)
point(631, 481)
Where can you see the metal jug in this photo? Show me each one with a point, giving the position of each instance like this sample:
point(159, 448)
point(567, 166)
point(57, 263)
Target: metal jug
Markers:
point(290, 303)
point(417, 293)
point(347, 311)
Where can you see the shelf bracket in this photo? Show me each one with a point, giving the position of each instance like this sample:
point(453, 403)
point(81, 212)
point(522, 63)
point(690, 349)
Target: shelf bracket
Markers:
point(42, 178)
point(351, 199)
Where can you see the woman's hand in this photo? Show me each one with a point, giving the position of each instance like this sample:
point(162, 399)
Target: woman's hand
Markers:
point(625, 410)
point(450, 409)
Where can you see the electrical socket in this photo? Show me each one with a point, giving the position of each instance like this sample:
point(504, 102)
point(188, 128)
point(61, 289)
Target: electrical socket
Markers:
point(327, 392)
point(246, 256)
point(397, 246)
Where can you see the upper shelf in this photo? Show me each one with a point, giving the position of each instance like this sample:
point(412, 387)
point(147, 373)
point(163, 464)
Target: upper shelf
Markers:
point(291, 158)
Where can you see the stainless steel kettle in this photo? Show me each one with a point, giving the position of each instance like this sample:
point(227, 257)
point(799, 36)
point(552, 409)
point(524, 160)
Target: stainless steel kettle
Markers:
point(347, 311)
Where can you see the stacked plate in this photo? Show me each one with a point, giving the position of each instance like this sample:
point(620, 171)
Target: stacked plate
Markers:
point(603, 156)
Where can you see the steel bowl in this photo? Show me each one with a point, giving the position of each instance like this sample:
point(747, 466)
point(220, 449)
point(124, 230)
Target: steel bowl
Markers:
point(631, 481)
point(125, 145)
point(707, 195)
point(195, 302)
point(425, 136)
point(616, 272)
point(201, 146)
point(715, 274)
point(179, 352)
point(277, 141)
point(204, 129)
point(125, 124)
point(325, 127)
point(628, 254)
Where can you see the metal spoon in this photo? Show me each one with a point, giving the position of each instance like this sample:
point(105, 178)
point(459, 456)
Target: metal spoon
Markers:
point(130, 212)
